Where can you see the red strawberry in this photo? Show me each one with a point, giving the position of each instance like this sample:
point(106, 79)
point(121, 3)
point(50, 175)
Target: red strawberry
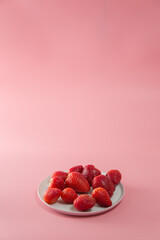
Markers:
point(61, 174)
point(104, 182)
point(69, 195)
point(78, 182)
point(84, 202)
point(78, 168)
point(51, 195)
point(89, 172)
point(102, 197)
point(57, 182)
point(115, 176)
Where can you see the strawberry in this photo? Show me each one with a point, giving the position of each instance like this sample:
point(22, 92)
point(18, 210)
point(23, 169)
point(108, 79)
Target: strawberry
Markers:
point(84, 202)
point(102, 197)
point(104, 182)
point(69, 195)
point(78, 182)
point(89, 172)
point(115, 176)
point(51, 195)
point(78, 168)
point(61, 174)
point(57, 182)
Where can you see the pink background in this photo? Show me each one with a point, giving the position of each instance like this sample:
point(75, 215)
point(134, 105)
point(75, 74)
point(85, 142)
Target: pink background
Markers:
point(79, 84)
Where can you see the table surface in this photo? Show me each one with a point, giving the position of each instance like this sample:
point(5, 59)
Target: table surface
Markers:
point(79, 84)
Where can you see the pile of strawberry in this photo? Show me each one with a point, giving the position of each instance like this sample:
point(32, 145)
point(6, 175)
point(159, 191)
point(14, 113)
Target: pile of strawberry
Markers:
point(81, 179)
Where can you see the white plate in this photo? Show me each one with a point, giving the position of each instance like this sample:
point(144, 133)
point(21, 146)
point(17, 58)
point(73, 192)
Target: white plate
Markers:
point(62, 207)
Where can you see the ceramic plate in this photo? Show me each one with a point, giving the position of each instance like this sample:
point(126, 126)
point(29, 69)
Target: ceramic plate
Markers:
point(62, 207)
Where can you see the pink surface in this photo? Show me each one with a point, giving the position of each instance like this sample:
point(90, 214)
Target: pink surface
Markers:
point(79, 83)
